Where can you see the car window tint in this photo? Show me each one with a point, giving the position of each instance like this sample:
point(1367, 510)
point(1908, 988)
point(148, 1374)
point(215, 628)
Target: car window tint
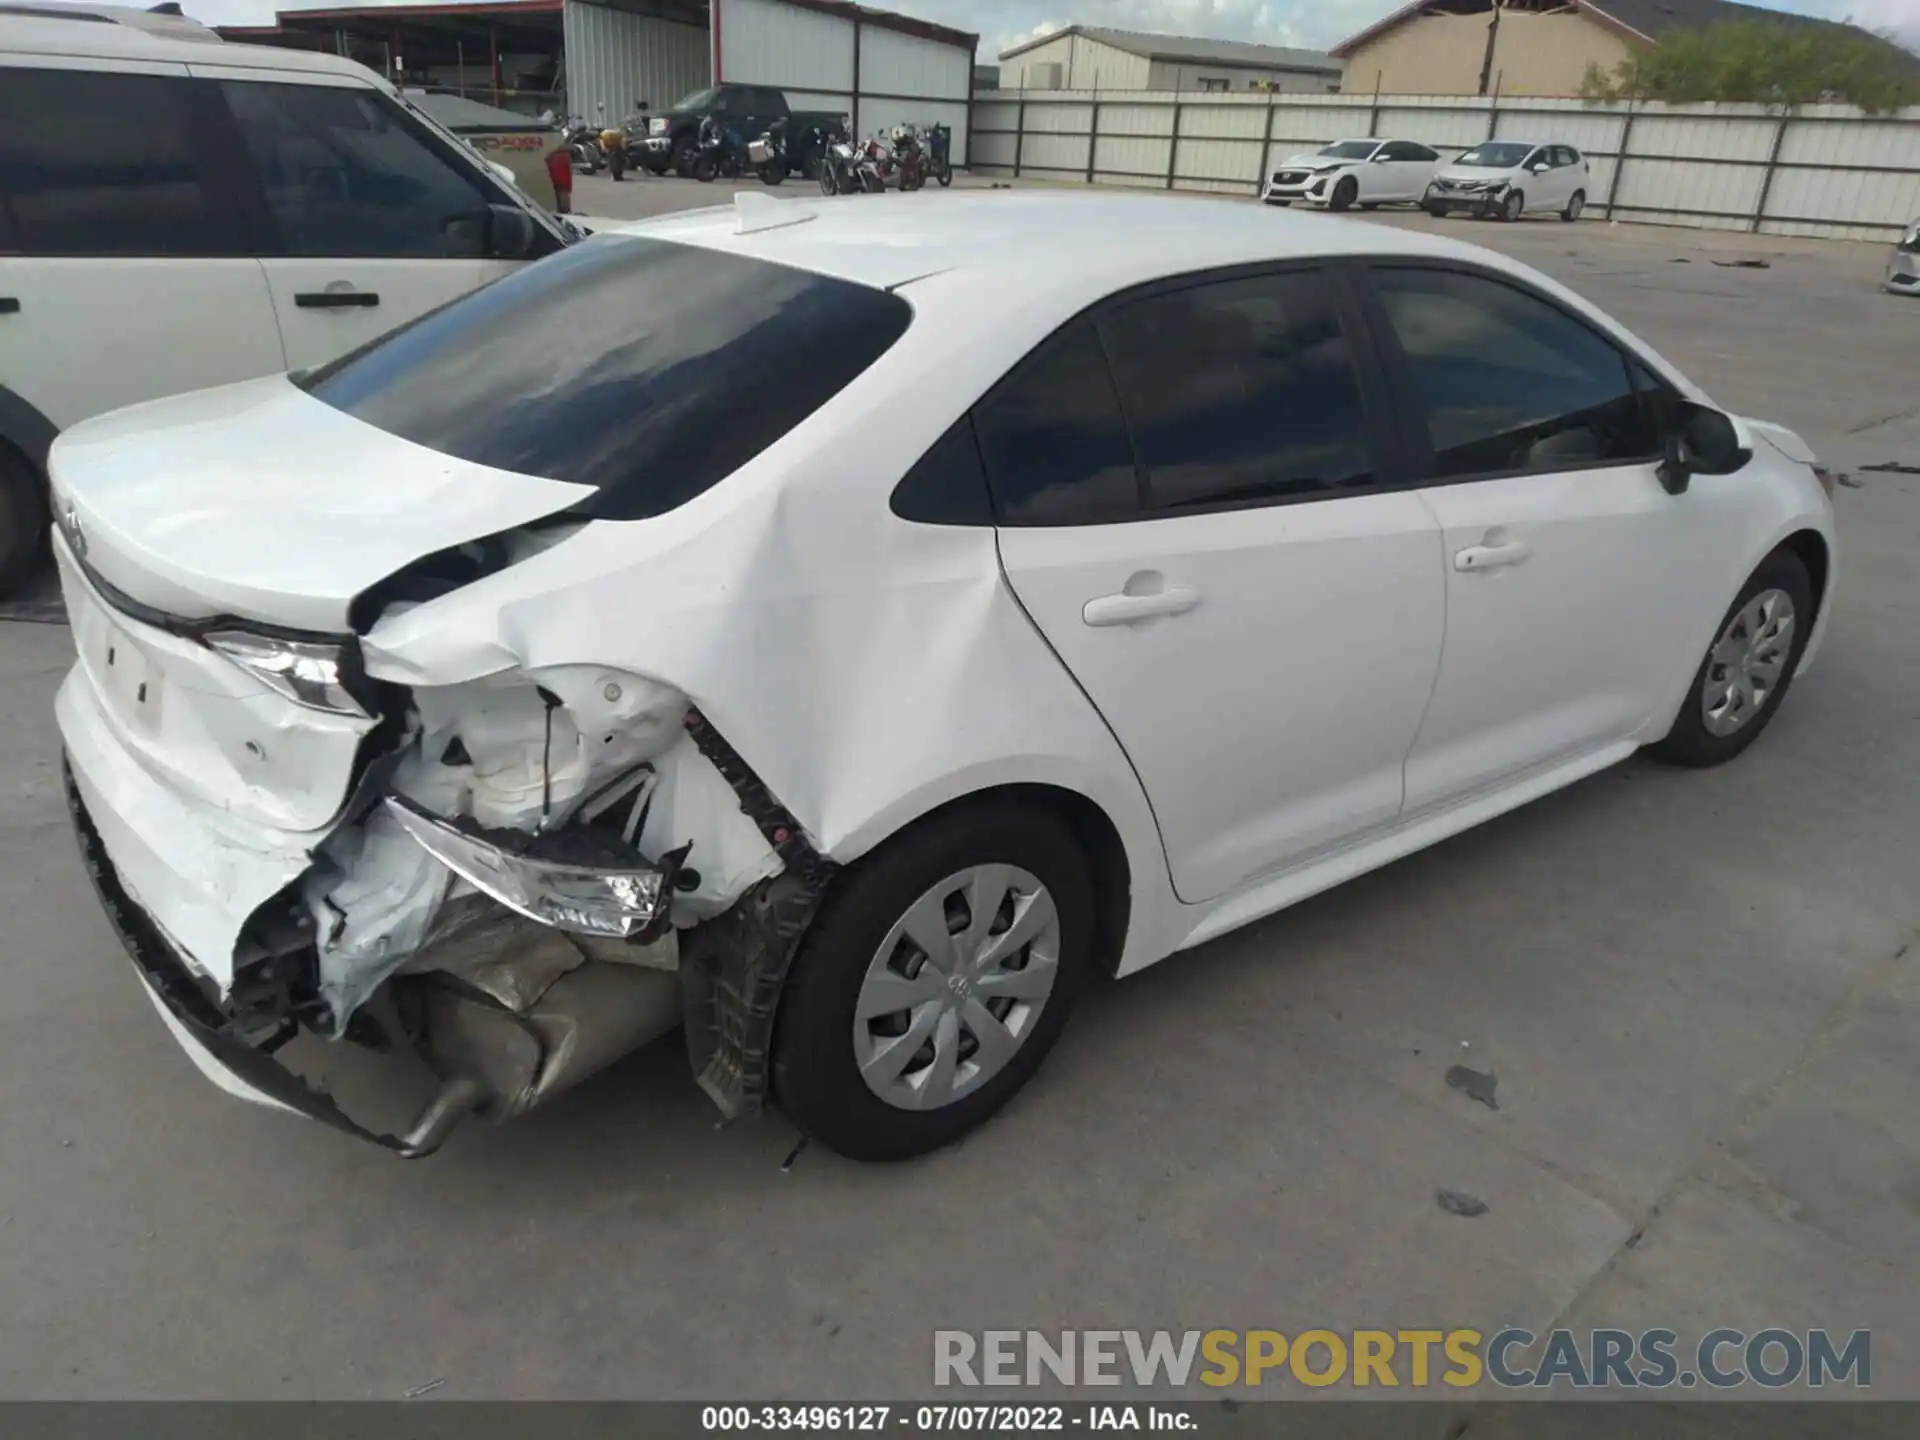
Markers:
point(1508, 382)
point(1241, 390)
point(947, 485)
point(95, 162)
point(345, 172)
point(648, 370)
point(1055, 447)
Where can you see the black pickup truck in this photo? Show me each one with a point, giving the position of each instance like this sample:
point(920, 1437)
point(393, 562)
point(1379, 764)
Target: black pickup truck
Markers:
point(751, 110)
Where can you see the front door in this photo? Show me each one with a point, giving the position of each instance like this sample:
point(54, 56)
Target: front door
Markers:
point(370, 222)
point(1255, 615)
point(1569, 566)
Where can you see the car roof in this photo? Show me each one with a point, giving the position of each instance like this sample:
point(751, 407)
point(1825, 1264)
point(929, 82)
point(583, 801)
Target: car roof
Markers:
point(119, 32)
point(1023, 245)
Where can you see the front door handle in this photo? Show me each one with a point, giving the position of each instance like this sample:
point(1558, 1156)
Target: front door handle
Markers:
point(1491, 557)
point(1126, 609)
point(336, 299)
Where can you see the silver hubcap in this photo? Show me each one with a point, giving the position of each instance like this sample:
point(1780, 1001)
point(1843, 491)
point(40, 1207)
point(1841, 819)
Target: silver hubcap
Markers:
point(1747, 662)
point(956, 987)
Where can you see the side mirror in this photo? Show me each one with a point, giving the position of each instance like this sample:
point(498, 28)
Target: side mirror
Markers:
point(1539, 167)
point(1699, 441)
point(1381, 159)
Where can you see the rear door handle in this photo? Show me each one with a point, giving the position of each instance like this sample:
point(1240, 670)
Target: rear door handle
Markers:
point(336, 299)
point(1491, 557)
point(1126, 609)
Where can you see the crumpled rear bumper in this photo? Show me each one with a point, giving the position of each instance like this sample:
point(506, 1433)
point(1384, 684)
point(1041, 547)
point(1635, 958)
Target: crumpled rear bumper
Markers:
point(196, 1022)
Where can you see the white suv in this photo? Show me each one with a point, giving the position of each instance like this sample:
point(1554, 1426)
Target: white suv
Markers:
point(177, 212)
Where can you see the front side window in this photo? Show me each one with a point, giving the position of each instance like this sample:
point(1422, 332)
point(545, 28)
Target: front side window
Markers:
point(345, 173)
point(1241, 390)
point(1053, 440)
point(1509, 383)
point(648, 370)
point(96, 162)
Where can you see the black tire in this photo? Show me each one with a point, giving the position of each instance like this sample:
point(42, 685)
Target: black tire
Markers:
point(1343, 194)
point(829, 179)
point(816, 1075)
point(944, 175)
point(1369, 204)
point(1690, 742)
point(1513, 207)
point(704, 169)
point(810, 165)
point(1575, 204)
point(23, 520)
point(1438, 212)
point(680, 161)
point(774, 172)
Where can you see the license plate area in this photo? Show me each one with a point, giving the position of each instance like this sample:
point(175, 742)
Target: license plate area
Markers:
point(128, 680)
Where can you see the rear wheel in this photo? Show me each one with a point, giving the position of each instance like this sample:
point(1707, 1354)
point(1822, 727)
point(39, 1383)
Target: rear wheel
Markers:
point(774, 172)
point(934, 980)
point(1574, 207)
point(23, 519)
point(1746, 671)
point(1343, 194)
point(703, 168)
point(829, 181)
point(944, 174)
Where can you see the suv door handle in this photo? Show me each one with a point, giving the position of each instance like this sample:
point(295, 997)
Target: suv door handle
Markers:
point(1491, 557)
point(336, 299)
point(1124, 609)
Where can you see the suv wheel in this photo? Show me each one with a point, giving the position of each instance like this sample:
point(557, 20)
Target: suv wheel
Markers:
point(934, 981)
point(23, 519)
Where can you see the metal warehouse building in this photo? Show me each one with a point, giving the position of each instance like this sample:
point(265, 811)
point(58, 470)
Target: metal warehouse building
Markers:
point(599, 58)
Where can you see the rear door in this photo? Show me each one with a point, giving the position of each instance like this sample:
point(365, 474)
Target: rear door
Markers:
point(1407, 175)
point(1206, 531)
point(125, 264)
point(368, 219)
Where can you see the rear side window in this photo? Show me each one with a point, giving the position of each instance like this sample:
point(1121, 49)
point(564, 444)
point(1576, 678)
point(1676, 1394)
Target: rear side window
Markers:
point(1055, 446)
point(346, 173)
point(99, 163)
point(1508, 383)
point(645, 369)
point(1241, 390)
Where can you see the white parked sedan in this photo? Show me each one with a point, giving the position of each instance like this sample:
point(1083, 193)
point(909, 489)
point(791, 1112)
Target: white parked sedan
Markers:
point(1506, 179)
point(1346, 173)
point(848, 627)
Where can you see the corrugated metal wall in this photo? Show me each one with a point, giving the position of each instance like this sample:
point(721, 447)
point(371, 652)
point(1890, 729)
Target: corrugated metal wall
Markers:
point(1825, 170)
point(810, 56)
point(615, 58)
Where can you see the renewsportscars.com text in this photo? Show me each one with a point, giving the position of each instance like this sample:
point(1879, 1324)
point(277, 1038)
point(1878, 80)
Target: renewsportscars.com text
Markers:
point(1511, 1358)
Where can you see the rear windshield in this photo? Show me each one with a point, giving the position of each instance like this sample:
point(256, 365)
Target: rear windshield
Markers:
point(645, 369)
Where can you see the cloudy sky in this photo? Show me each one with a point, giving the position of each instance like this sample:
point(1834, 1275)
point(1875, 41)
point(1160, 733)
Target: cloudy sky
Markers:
point(1311, 23)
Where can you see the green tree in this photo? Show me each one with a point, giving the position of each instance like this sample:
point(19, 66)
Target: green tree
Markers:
point(1765, 62)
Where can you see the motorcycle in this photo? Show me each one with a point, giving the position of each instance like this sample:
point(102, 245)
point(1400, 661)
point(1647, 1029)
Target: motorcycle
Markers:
point(583, 145)
point(768, 154)
point(909, 157)
point(719, 152)
point(850, 169)
point(939, 153)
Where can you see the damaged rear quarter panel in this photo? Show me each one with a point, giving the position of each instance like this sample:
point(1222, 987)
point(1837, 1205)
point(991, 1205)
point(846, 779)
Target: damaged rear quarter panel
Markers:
point(869, 669)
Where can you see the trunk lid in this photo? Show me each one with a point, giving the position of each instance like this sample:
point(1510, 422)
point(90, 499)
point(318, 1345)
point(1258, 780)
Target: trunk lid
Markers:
point(259, 502)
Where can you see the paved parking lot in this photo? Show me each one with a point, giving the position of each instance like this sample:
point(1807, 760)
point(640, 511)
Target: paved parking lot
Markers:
point(1695, 990)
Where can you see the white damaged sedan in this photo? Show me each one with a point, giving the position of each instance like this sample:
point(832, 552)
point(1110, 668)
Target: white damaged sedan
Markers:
point(843, 629)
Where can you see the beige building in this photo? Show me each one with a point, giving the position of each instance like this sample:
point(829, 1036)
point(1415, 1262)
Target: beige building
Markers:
point(1518, 47)
point(1088, 57)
